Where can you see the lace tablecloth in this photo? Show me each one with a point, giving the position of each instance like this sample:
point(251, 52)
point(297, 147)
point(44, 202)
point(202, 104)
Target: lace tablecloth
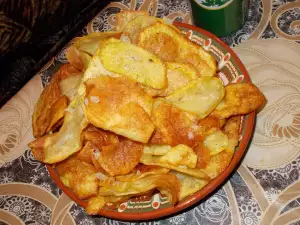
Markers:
point(266, 187)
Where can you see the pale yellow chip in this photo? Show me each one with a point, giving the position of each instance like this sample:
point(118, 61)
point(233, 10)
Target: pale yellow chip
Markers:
point(170, 45)
point(189, 184)
point(200, 96)
point(124, 17)
point(90, 43)
point(134, 62)
point(135, 26)
point(59, 146)
point(151, 160)
point(216, 142)
point(142, 171)
point(157, 149)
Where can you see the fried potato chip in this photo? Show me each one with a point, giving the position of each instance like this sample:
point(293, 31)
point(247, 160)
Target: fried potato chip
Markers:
point(78, 175)
point(166, 183)
point(170, 45)
point(57, 112)
point(59, 146)
point(219, 162)
point(119, 105)
point(180, 155)
point(189, 184)
point(69, 86)
point(203, 155)
point(141, 171)
point(124, 17)
point(134, 62)
point(41, 115)
point(136, 25)
point(240, 99)
point(157, 149)
point(77, 58)
point(99, 137)
point(120, 158)
point(200, 96)
point(90, 43)
point(87, 152)
point(173, 126)
point(195, 172)
point(216, 142)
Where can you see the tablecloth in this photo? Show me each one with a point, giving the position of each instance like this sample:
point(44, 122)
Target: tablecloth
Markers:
point(265, 189)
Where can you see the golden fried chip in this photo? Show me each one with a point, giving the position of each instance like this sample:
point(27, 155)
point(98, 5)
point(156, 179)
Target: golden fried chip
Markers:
point(200, 96)
point(121, 158)
point(41, 116)
point(219, 162)
point(59, 146)
point(124, 17)
point(141, 171)
point(87, 152)
point(77, 58)
point(180, 155)
point(189, 184)
point(203, 155)
point(165, 183)
point(240, 99)
point(57, 112)
point(90, 43)
point(134, 62)
point(170, 45)
point(69, 86)
point(173, 126)
point(136, 25)
point(119, 105)
point(216, 142)
point(99, 137)
point(195, 172)
point(80, 176)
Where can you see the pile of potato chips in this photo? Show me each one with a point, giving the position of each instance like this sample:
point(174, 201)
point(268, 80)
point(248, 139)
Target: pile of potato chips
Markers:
point(136, 110)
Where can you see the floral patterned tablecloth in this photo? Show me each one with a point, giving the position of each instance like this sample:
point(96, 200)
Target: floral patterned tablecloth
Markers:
point(266, 187)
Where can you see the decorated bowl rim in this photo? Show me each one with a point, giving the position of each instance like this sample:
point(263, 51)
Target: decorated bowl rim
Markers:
point(206, 190)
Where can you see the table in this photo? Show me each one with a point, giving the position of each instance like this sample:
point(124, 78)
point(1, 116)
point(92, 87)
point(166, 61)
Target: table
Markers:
point(266, 187)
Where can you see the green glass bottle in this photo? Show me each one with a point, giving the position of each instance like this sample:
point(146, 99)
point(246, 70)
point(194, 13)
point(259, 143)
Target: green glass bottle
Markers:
point(220, 17)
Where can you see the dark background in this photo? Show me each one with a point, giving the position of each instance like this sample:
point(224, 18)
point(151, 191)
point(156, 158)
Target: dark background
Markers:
point(31, 32)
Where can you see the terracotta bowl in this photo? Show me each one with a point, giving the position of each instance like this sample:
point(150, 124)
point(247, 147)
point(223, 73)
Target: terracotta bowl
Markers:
point(230, 70)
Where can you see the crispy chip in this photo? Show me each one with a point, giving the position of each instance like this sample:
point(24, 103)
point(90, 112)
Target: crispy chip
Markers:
point(41, 116)
point(80, 176)
point(203, 155)
point(219, 162)
point(150, 160)
point(124, 17)
point(59, 146)
point(173, 126)
point(57, 112)
point(132, 61)
point(90, 43)
point(166, 183)
point(136, 25)
point(99, 137)
point(79, 59)
point(200, 96)
point(119, 105)
point(141, 171)
point(240, 99)
point(170, 45)
point(121, 158)
point(189, 184)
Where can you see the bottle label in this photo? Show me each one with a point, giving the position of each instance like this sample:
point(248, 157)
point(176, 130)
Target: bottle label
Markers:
point(213, 4)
